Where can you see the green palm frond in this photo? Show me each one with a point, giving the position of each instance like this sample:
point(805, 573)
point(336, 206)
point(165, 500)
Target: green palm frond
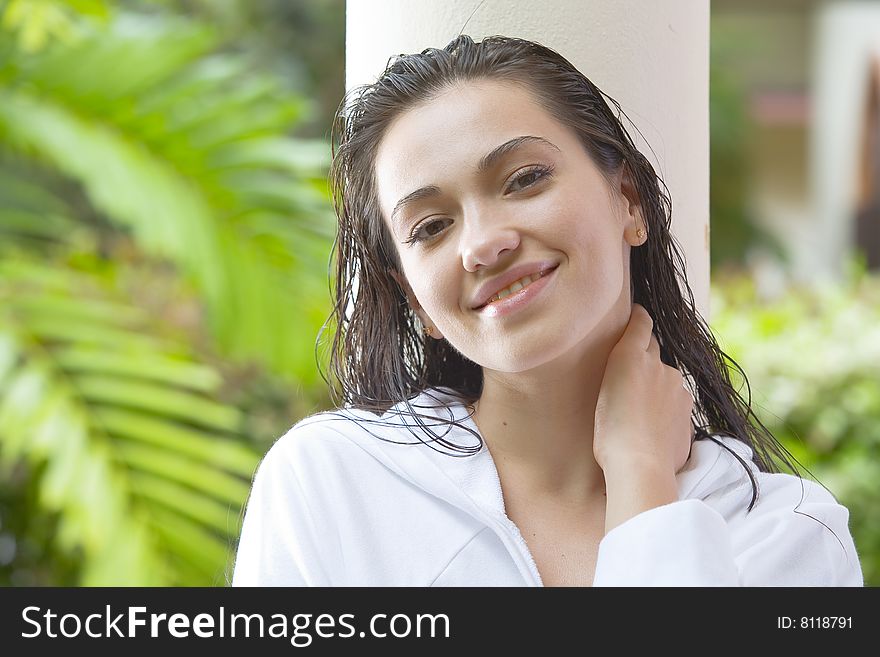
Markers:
point(36, 22)
point(33, 219)
point(145, 468)
point(187, 150)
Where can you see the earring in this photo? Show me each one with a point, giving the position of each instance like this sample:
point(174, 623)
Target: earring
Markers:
point(427, 330)
point(640, 234)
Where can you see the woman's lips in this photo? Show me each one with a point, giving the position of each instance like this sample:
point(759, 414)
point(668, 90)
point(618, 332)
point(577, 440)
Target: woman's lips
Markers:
point(520, 299)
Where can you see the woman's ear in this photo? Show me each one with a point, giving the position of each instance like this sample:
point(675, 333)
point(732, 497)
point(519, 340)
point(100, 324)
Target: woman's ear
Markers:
point(429, 328)
point(635, 231)
point(406, 289)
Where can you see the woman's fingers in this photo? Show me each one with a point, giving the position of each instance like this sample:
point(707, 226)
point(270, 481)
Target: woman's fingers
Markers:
point(641, 330)
point(638, 331)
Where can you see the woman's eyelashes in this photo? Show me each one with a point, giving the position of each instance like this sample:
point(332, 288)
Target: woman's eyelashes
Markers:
point(524, 179)
point(427, 229)
point(529, 176)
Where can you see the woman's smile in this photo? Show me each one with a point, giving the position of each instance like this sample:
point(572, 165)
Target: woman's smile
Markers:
point(519, 295)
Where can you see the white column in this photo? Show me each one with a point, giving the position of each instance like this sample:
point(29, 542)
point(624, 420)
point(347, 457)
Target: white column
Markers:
point(652, 57)
point(847, 37)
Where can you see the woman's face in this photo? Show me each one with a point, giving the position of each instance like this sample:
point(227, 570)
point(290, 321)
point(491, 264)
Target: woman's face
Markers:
point(483, 191)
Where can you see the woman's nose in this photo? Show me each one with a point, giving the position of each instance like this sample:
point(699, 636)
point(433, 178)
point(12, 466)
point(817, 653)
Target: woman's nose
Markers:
point(484, 243)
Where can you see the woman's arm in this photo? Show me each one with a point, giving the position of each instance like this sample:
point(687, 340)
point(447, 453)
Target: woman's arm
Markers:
point(783, 541)
point(634, 487)
point(642, 440)
point(643, 432)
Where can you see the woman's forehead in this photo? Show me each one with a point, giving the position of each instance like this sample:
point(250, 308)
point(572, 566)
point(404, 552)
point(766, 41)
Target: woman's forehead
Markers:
point(453, 132)
point(483, 108)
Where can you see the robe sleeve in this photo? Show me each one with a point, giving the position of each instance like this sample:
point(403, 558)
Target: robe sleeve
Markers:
point(279, 544)
point(797, 534)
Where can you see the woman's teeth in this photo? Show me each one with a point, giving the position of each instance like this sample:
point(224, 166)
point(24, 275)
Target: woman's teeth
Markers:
point(515, 287)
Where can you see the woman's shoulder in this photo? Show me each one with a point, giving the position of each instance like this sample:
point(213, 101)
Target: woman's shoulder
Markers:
point(321, 432)
point(722, 472)
point(343, 430)
point(315, 457)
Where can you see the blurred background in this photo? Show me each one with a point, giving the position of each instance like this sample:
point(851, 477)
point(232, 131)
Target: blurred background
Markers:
point(165, 230)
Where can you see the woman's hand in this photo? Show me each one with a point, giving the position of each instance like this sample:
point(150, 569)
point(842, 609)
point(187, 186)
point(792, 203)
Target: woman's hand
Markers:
point(643, 414)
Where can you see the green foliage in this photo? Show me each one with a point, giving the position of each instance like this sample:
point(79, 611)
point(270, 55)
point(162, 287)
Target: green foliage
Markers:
point(163, 263)
point(123, 428)
point(37, 22)
point(186, 150)
point(813, 362)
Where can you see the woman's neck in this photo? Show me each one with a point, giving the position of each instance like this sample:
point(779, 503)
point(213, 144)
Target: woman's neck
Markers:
point(538, 425)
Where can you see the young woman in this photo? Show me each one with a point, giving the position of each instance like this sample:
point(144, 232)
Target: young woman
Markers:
point(526, 397)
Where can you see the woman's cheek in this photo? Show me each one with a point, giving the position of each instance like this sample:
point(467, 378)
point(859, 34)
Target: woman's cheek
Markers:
point(442, 307)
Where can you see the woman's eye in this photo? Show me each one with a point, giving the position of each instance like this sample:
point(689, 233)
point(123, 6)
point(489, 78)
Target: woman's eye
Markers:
point(428, 229)
point(528, 178)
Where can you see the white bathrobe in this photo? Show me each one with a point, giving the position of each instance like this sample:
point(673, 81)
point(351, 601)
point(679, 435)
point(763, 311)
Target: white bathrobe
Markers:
point(332, 504)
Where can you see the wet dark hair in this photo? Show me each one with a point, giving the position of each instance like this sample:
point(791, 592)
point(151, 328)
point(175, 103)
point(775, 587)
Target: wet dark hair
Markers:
point(379, 357)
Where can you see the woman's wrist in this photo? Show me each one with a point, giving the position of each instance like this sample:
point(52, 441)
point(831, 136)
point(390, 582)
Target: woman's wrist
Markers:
point(636, 485)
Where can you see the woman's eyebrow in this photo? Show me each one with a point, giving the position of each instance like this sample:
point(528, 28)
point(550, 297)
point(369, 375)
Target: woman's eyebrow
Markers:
point(428, 191)
point(486, 162)
point(489, 160)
